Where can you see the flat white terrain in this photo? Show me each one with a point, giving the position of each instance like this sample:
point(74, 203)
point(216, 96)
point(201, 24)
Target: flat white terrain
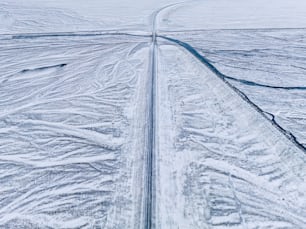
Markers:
point(220, 163)
point(155, 114)
point(72, 138)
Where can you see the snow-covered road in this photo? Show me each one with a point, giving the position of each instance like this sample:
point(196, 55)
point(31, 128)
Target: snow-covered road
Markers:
point(147, 123)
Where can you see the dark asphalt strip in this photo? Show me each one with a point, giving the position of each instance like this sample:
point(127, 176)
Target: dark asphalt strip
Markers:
point(149, 194)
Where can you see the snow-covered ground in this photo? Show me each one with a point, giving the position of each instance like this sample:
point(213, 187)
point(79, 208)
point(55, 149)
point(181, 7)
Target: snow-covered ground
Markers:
point(267, 65)
point(234, 14)
point(26, 16)
point(72, 124)
point(152, 114)
point(230, 165)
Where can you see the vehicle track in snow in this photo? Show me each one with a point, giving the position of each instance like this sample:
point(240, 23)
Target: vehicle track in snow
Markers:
point(219, 160)
point(149, 157)
point(70, 127)
point(224, 78)
point(150, 167)
point(148, 220)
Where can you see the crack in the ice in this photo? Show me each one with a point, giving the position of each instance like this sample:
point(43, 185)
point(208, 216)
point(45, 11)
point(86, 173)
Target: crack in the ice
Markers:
point(43, 68)
point(71, 34)
point(225, 78)
point(252, 83)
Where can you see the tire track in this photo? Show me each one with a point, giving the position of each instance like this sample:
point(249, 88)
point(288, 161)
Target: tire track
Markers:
point(150, 132)
point(150, 177)
point(224, 78)
point(17, 36)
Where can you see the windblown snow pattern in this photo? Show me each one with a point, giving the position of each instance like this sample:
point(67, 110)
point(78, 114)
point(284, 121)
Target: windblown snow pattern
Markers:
point(71, 118)
point(152, 114)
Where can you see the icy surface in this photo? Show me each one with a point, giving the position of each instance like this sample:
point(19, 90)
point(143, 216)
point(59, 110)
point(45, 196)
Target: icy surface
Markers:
point(234, 14)
point(20, 16)
point(267, 65)
point(15, 18)
point(220, 163)
point(71, 131)
point(104, 123)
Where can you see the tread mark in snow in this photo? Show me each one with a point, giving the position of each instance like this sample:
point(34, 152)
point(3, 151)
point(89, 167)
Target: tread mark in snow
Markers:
point(223, 77)
point(43, 68)
point(149, 203)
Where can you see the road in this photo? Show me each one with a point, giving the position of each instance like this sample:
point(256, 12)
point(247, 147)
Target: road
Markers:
point(103, 129)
